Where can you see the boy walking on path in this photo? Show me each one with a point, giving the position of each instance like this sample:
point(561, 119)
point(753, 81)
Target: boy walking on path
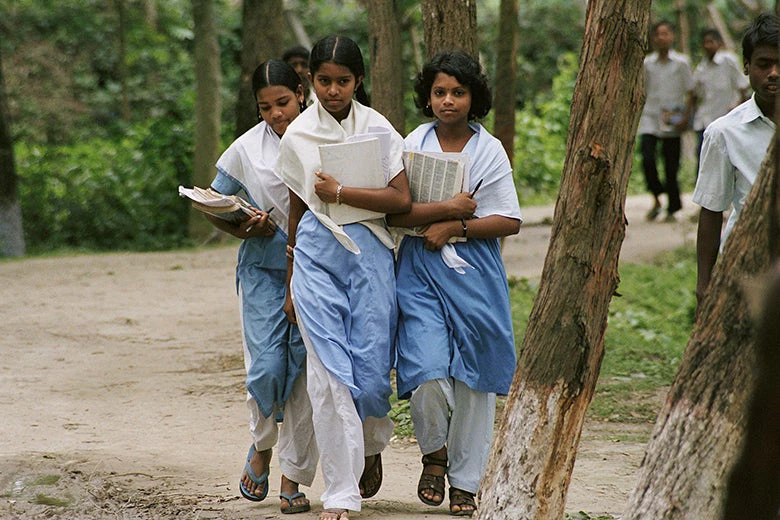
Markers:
point(734, 147)
point(668, 83)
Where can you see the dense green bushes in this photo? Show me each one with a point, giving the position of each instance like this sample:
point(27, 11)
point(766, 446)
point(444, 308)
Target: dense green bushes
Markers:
point(105, 194)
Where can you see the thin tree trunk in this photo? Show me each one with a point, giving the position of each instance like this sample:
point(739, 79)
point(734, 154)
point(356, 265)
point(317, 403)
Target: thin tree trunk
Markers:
point(387, 78)
point(125, 103)
point(11, 232)
point(506, 77)
point(262, 34)
point(701, 427)
point(450, 24)
point(683, 27)
point(208, 106)
point(535, 447)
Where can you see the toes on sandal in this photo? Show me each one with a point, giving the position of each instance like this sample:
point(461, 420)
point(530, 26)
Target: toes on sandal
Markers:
point(429, 482)
point(262, 479)
point(371, 480)
point(461, 498)
point(292, 508)
point(334, 514)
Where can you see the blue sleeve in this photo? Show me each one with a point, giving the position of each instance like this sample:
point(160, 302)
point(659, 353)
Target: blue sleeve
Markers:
point(225, 184)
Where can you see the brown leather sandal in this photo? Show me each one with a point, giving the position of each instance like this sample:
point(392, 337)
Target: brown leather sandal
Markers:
point(430, 482)
point(371, 480)
point(460, 498)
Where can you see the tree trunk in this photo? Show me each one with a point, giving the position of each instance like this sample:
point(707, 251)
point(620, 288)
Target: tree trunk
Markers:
point(262, 35)
point(701, 427)
point(208, 106)
point(387, 77)
point(449, 24)
point(534, 449)
point(506, 77)
point(11, 232)
point(122, 66)
point(683, 27)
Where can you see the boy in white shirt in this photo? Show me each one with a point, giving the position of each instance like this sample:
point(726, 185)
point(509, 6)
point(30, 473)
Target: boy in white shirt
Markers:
point(734, 147)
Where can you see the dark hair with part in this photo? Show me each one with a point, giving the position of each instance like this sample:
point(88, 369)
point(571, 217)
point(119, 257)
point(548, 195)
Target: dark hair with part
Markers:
point(661, 23)
point(466, 70)
point(343, 51)
point(763, 31)
point(276, 73)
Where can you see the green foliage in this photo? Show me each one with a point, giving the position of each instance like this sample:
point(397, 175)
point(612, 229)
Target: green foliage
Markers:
point(102, 195)
point(540, 140)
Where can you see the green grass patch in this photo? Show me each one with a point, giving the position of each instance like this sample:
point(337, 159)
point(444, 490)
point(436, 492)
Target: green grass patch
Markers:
point(46, 480)
point(46, 500)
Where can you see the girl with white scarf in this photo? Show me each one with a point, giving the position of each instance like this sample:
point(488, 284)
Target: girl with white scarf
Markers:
point(343, 286)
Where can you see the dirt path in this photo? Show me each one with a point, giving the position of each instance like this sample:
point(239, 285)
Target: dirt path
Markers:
point(121, 389)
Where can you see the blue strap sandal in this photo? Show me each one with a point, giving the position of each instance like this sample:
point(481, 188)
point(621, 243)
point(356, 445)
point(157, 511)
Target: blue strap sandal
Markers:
point(300, 508)
point(262, 479)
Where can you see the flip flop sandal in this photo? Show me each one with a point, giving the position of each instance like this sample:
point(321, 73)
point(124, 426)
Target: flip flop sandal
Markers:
point(460, 498)
point(429, 482)
point(371, 480)
point(290, 509)
point(338, 512)
point(262, 479)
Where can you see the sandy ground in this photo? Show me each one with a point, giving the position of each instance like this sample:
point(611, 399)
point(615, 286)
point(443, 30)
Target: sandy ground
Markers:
point(121, 397)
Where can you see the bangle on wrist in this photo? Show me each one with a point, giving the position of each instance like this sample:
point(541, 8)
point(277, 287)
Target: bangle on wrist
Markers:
point(338, 194)
point(465, 228)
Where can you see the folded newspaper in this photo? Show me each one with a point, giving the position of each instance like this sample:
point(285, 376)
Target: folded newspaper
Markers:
point(227, 207)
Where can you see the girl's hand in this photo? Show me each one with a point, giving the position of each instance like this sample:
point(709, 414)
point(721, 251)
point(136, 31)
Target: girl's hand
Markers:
point(259, 225)
point(289, 310)
point(436, 235)
point(326, 187)
point(462, 206)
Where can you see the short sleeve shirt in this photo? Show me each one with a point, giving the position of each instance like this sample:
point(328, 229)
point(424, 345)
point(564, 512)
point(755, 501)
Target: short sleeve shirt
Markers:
point(732, 152)
point(667, 84)
point(718, 83)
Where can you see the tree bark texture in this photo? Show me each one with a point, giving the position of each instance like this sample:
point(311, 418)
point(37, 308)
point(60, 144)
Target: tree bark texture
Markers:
point(449, 24)
point(387, 73)
point(506, 77)
point(208, 106)
point(701, 426)
point(535, 447)
point(11, 231)
point(263, 31)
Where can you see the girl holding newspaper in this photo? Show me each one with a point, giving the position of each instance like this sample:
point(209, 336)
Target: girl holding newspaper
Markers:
point(341, 273)
point(274, 354)
point(455, 339)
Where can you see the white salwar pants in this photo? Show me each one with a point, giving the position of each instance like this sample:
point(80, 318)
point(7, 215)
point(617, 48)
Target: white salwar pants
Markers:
point(344, 441)
point(448, 412)
point(297, 451)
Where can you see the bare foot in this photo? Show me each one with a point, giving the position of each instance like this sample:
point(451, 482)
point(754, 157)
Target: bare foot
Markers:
point(334, 514)
point(260, 462)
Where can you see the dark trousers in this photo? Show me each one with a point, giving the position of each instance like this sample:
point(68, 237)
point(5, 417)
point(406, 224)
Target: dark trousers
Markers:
point(670, 148)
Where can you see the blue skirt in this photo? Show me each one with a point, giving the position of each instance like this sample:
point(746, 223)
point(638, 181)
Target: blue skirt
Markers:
point(346, 304)
point(454, 325)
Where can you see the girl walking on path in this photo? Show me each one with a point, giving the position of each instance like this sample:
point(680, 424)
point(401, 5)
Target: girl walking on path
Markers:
point(274, 355)
point(343, 286)
point(456, 346)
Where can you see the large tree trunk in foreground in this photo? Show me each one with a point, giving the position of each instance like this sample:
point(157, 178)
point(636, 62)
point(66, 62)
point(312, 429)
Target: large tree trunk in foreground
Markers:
point(506, 77)
point(535, 447)
point(387, 71)
point(449, 24)
point(701, 427)
point(208, 107)
point(11, 232)
point(263, 27)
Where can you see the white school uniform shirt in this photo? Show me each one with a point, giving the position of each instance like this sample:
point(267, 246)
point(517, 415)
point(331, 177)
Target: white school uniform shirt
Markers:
point(718, 85)
point(732, 152)
point(250, 161)
point(667, 84)
point(299, 158)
